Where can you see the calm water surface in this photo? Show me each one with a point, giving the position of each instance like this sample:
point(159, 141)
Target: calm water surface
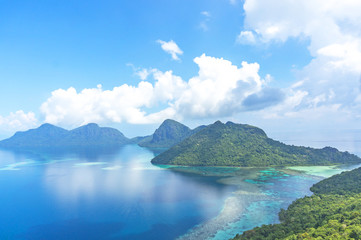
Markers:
point(119, 194)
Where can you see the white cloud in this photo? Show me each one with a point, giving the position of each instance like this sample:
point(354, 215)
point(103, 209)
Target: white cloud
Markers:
point(218, 90)
point(167, 87)
point(125, 103)
point(143, 74)
point(343, 56)
point(121, 104)
point(332, 79)
point(206, 18)
point(172, 48)
point(18, 121)
point(206, 13)
point(246, 37)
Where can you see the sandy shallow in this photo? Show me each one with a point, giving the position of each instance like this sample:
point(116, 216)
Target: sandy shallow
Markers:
point(319, 171)
point(234, 207)
point(237, 205)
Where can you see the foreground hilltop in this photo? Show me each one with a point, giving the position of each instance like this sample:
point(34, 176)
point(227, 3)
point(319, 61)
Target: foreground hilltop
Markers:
point(48, 135)
point(333, 212)
point(169, 133)
point(243, 145)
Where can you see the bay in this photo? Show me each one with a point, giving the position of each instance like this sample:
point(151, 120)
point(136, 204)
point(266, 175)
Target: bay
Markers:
point(118, 194)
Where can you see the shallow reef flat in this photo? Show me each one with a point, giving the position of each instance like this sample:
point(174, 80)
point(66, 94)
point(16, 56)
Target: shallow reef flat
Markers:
point(234, 208)
point(322, 171)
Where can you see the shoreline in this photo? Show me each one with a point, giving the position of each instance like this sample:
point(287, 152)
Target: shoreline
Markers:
point(239, 202)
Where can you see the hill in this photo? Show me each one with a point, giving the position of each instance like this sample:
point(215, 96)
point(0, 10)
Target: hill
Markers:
point(333, 212)
point(48, 135)
point(169, 133)
point(343, 183)
point(243, 145)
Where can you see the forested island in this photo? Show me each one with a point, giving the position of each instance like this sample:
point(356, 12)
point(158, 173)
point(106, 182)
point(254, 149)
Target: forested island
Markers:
point(242, 145)
point(333, 212)
point(48, 135)
point(218, 144)
point(168, 134)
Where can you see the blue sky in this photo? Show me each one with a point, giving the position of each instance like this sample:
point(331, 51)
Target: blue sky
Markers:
point(283, 65)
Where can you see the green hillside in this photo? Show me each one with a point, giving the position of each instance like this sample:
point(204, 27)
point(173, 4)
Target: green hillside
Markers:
point(333, 212)
point(344, 183)
point(243, 145)
point(169, 133)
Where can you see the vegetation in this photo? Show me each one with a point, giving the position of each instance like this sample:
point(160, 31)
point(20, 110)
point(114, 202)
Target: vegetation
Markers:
point(333, 212)
point(169, 133)
point(243, 145)
point(344, 183)
point(137, 140)
point(48, 135)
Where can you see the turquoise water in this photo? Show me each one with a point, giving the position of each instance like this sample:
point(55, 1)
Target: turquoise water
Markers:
point(118, 194)
point(277, 190)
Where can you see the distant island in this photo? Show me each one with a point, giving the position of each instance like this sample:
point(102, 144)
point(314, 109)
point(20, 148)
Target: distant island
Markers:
point(333, 212)
point(169, 133)
point(241, 145)
point(218, 144)
point(48, 135)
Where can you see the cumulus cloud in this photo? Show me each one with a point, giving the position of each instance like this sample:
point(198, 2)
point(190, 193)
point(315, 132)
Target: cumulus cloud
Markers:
point(219, 89)
point(331, 79)
point(121, 104)
point(172, 48)
point(17, 121)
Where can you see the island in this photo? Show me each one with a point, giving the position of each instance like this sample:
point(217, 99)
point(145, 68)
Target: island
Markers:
point(242, 145)
point(48, 135)
point(333, 212)
point(169, 133)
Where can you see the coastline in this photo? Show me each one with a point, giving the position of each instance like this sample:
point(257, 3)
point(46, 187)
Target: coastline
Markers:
point(242, 205)
point(323, 171)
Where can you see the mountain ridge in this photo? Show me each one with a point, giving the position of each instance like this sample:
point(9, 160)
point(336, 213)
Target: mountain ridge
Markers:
point(48, 135)
point(242, 145)
point(169, 133)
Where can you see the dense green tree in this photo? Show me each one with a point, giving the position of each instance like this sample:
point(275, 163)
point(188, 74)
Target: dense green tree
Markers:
point(333, 212)
point(169, 133)
point(243, 145)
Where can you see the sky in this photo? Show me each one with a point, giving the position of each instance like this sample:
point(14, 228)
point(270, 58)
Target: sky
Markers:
point(287, 66)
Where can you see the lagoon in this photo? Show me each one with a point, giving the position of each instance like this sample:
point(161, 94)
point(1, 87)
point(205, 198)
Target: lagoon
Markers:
point(118, 194)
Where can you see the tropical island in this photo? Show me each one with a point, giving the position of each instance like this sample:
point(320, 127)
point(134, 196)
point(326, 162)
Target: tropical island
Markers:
point(169, 133)
point(242, 145)
point(333, 212)
point(218, 144)
point(48, 135)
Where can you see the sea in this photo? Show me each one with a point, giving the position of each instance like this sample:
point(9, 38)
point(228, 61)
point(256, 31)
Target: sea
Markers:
point(116, 193)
